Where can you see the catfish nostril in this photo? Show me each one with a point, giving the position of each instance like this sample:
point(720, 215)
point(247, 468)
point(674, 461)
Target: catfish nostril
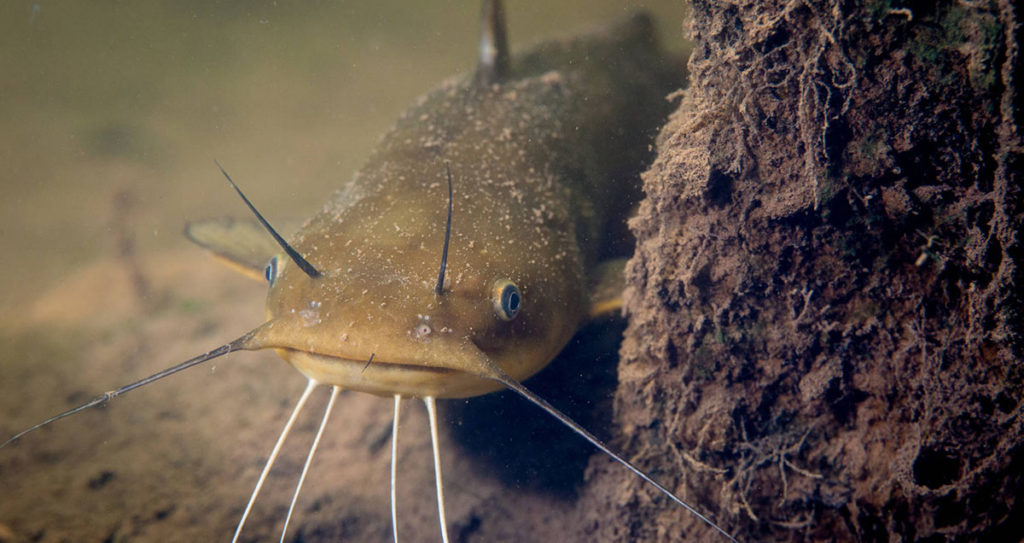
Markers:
point(311, 316)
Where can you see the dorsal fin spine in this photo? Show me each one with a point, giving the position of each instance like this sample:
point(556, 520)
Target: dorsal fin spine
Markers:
point(494, 57)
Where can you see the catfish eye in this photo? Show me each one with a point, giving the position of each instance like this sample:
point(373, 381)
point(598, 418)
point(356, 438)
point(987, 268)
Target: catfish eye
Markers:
point(507, 300)
point(270, 272)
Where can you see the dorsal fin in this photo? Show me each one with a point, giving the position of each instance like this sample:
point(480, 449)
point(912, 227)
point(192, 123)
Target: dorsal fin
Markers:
point(493, 44)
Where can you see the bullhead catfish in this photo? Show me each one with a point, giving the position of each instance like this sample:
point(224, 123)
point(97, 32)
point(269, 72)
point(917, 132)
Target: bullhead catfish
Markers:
point(466, 252)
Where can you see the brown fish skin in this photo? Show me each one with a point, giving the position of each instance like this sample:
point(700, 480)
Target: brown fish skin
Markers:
point(542, 159)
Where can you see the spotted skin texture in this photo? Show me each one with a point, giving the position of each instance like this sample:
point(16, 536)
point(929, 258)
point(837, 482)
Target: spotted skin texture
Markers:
point(542, 162)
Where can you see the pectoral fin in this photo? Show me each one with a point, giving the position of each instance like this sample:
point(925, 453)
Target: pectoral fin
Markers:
point(242, 244)
point(607, 282)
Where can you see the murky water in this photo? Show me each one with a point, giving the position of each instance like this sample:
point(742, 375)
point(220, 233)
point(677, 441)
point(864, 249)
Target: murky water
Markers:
point(140, 97)
point(112, 115)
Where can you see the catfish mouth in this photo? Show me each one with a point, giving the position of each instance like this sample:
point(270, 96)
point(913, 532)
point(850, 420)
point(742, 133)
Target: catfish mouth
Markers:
point(368, 363)
point(447, 369)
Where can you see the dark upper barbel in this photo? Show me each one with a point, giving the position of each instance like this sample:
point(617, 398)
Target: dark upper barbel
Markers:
point(301, 262)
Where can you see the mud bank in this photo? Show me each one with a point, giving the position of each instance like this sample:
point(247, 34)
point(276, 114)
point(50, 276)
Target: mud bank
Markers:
point(824, 303)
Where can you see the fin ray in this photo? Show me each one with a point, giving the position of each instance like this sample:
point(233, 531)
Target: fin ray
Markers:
point(607, 281)
point(494, 54)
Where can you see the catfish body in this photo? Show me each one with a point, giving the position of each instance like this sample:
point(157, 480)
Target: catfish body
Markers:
point(543, 157)
point(544, 149)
